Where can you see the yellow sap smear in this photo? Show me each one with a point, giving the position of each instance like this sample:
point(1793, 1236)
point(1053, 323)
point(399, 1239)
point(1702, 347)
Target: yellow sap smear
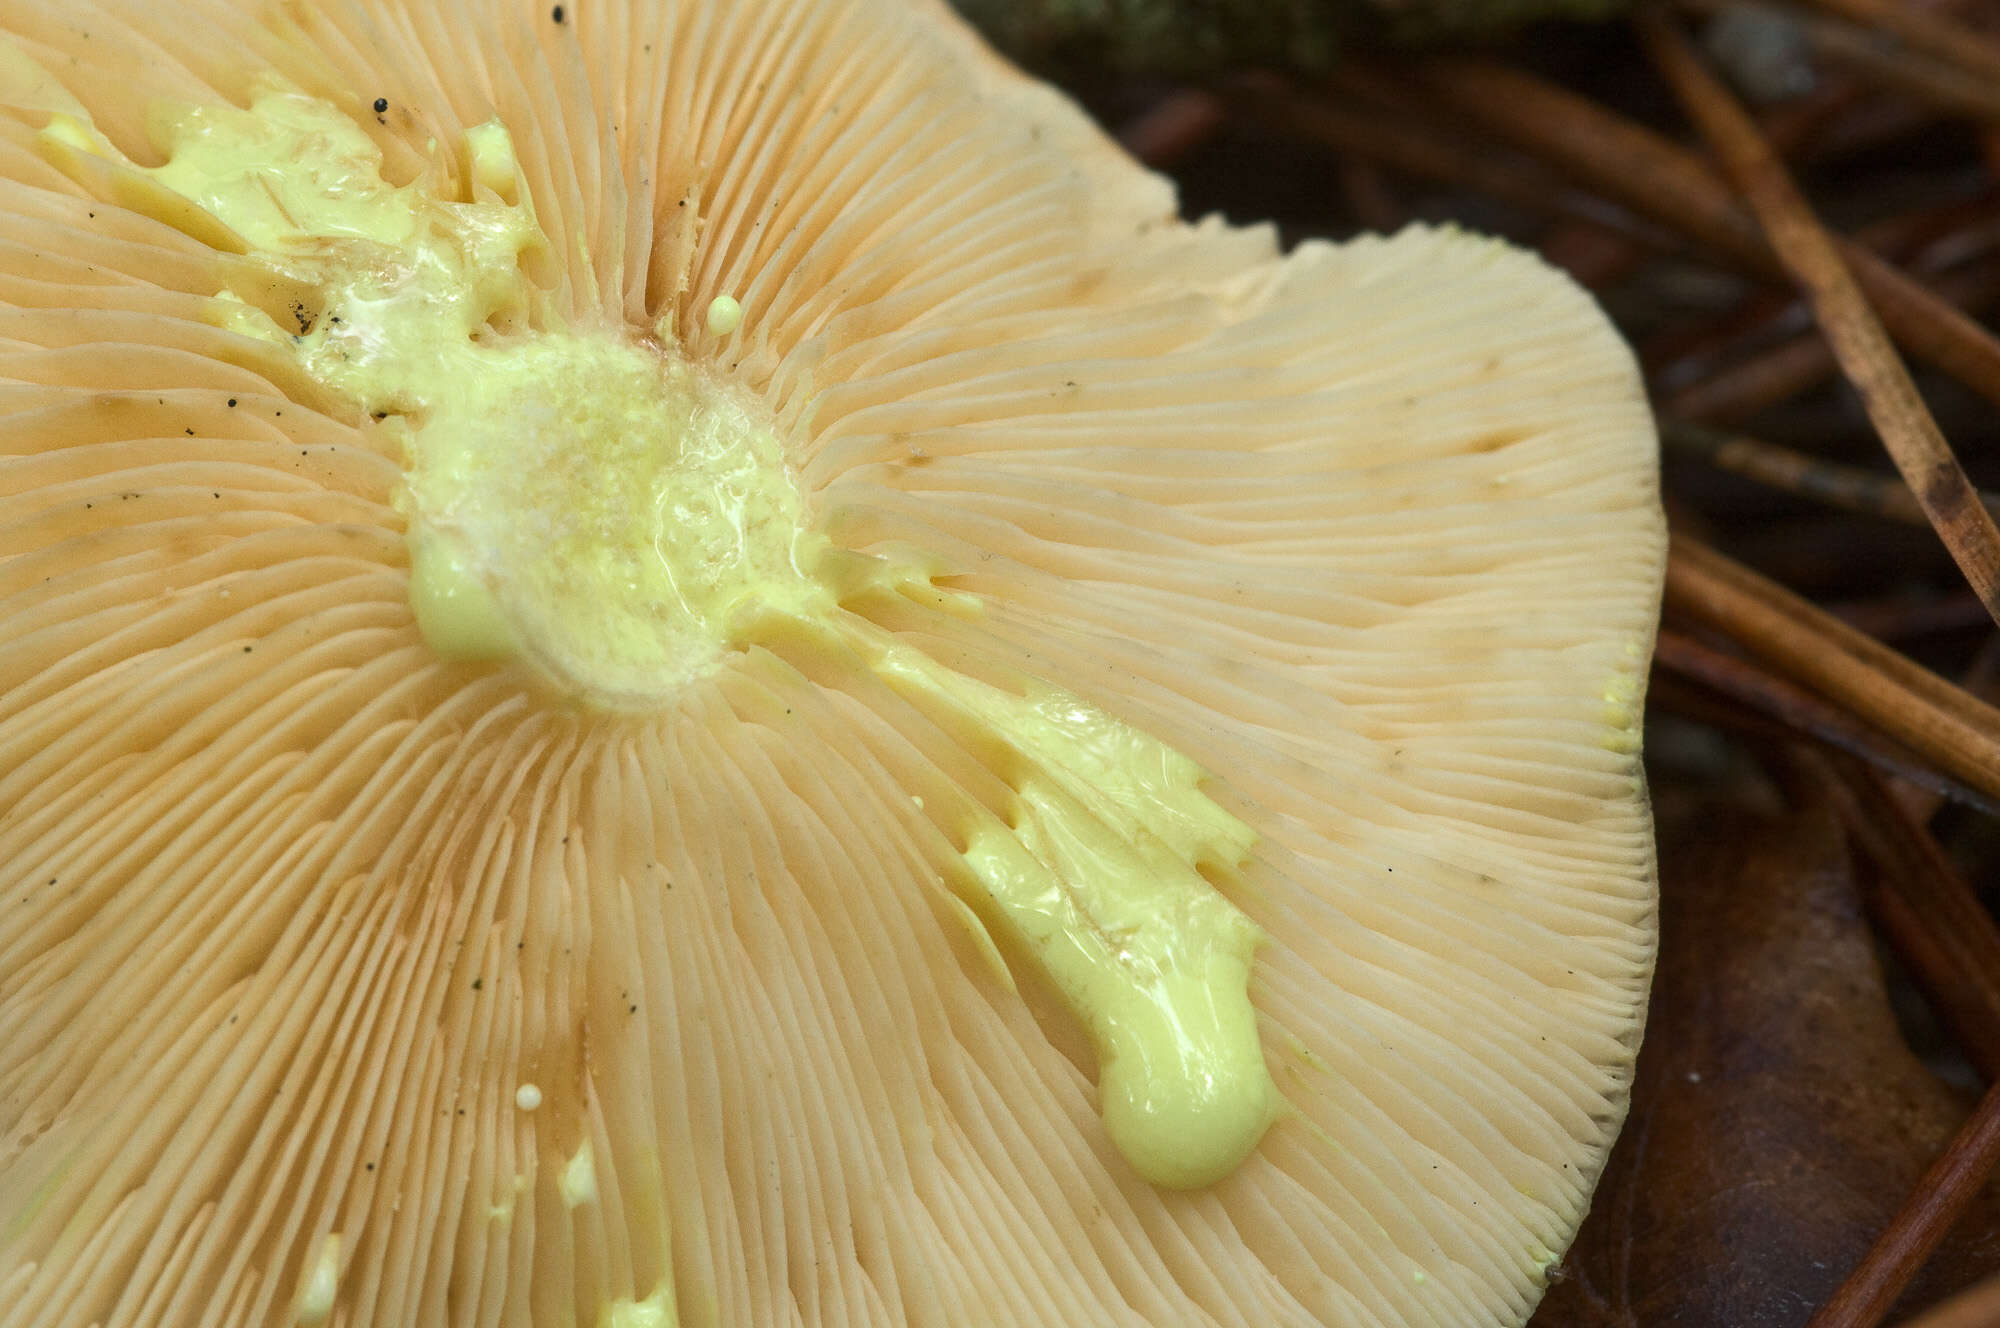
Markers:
point(1095, 872)
point(578, 1181)
point(591, 502)
point(655, 1311)
point(1625, 700)
point(575, 496)
point(322, 1281)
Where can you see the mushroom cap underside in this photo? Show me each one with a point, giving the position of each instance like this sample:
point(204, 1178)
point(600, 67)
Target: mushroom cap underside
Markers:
point(342, 981)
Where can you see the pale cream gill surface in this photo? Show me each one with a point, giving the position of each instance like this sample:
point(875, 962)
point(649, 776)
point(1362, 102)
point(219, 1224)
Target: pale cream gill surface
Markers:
point(314, 904)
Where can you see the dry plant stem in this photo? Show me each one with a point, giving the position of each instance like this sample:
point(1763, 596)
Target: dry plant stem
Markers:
point(1949, 246)
point(1625, 160)
point(1668, 693)
point(1596, 257)
point(1713, 707)
point(1902, 617)
point(1407, 146)
point(1957, 733)
point(1950, 77)
point(1680, 354)
point(1849, 488)
point(1794, 127)
point(1976, 1308)
point(1747, 386)
point(1938, 36)
point(1930, 240)
point(1798, 710)
point(1661, 180)
point(1945, 86)
point(1927, 911)
point(1900, 1251)
point(1858, 339)
point(1174, 126)
point(1979, 679)
point(1875, 123)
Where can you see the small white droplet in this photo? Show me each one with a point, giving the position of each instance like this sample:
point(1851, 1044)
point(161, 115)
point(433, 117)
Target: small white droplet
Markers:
point(916, 798)
point(1694, 1076)
point(725, 315)
point(527, 1097)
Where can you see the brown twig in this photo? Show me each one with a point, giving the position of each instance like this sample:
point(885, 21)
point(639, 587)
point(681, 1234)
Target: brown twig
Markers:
point(1849, 488)
point(1795, 127)
point(1174, 126)
point(1902, 615)
point(1730, 367)
point(1799, 710)
point(1746, 385)
point(1858, 339)
point(1941, 84)
point(1661, 180)
point(1408, 145)
point(1959, 75)
point(1978, 679)
point(1943, 933)
point(1900, 1251)
point(1938, 36)
point(1906, 702)
point(1596, 256)
point(1938, 237)
point(1760, 316)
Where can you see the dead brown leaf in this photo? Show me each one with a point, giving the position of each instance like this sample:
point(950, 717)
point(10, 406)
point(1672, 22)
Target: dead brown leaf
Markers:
point(1778, 1117)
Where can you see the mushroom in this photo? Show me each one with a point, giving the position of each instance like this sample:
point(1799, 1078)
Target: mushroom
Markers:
point(686, 662)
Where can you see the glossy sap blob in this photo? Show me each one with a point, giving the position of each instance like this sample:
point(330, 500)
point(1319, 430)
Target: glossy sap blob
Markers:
point(575, 495)
point(1097, 872)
